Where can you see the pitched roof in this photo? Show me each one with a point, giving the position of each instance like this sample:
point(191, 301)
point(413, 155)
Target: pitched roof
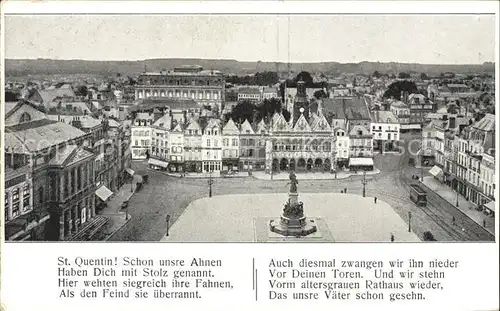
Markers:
point(246, 126)
point(49, 95)
point(34, 136)
point(230, 128)
point(384, 116)
point(87, 122)
point(487, 123)
point(302, 125)
point(163, 121)
point(355, 109)
point(158, 102)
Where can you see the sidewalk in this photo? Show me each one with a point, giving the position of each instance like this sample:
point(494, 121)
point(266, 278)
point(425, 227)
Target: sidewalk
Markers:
point(312, 176)
point(117, 217)
point(465, 206)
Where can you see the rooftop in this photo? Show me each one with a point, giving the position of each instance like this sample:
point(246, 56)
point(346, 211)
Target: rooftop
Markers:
point(158, 102)
point(38, 135)
point(382, 116)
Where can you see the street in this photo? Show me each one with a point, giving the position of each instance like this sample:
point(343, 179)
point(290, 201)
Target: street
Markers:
point(165, 195)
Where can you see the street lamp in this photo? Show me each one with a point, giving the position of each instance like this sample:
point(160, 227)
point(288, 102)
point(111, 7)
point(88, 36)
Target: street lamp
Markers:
point(364, 182)
point(210, 182)
point(409, 221)
point(168, 223)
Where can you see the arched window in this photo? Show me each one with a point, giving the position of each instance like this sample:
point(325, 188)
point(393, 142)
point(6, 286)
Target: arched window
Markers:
point(25, 117)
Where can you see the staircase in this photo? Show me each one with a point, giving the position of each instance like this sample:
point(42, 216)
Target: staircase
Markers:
point(89, 229)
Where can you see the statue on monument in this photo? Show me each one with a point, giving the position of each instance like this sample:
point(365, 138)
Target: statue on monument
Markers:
point(293, 209)
point(293, 182)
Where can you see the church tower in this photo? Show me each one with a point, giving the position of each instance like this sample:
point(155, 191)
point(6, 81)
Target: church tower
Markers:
point(300, 102)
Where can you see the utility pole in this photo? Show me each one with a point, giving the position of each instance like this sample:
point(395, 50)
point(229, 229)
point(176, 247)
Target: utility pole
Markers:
point(364, 182)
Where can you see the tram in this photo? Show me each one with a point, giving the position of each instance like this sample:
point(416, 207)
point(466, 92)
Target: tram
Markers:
point(418, 195)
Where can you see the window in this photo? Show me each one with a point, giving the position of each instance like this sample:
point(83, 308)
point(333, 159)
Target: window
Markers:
point(26, 198)
point(6, 206)
point(15, 203)
point(208, 142)
point(25, 117)
point(216, 143)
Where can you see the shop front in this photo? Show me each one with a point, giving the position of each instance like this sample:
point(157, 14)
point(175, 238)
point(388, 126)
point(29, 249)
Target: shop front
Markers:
point(361, 164)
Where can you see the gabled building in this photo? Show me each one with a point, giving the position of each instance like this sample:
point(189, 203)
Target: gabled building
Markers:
point(159, 156)
point(211, 152)
point(230, 146)
point(176, 142)
point(385, 130)
point(193, 146)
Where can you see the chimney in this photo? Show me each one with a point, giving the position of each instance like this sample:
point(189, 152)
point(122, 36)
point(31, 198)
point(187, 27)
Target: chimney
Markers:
point(452, 122)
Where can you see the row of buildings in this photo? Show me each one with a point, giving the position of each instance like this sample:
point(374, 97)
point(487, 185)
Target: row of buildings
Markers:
point(462, 148)
point(321, 135)
point(59, 170)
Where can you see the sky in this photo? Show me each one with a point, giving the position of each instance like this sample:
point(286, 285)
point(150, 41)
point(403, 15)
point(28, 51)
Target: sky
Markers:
point(429, 39)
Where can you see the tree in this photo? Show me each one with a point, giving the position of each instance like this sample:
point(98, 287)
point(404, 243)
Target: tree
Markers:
point(403, 75)
point(394, 90)
point(376, 74)
point(81, 90)
point(423, 76)
point(320, 94)
point(243, 110)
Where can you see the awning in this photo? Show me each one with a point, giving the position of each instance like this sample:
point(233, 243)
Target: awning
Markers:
point(130, 171)
point(436, 171)
point(103, 193)
point(157, 162)
point(410, 126)
point(490, 206)
point(360, 162)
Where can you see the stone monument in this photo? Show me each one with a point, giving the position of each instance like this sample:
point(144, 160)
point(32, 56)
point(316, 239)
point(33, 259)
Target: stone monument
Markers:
point(293, 221)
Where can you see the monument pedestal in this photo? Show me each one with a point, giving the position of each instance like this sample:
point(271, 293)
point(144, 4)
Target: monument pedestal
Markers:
point(293, 221)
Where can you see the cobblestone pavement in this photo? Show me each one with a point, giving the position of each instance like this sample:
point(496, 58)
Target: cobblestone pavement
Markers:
point(165, 195)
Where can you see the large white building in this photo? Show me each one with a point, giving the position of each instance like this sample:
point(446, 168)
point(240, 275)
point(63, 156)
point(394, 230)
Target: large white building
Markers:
point(141, 135)
point(211, 152)
point(385, 130)
point(205, 87)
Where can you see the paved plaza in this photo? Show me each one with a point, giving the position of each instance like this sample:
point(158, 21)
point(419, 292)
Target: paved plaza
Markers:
point(231, 218)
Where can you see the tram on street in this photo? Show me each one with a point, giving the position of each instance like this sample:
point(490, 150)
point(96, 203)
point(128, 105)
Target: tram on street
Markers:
point(418, 195)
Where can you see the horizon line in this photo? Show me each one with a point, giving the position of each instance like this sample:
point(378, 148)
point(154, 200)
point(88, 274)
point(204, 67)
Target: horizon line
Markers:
point(251, 61)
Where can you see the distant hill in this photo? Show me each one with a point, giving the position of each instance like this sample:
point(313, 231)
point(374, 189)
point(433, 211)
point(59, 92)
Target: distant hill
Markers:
point(22, 67)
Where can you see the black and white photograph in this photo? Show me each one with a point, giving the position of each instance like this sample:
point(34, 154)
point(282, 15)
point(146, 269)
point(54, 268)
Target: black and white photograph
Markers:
point(265, 128)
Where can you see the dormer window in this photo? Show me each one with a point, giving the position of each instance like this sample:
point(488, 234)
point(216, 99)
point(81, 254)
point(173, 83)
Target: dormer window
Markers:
point(25, 117)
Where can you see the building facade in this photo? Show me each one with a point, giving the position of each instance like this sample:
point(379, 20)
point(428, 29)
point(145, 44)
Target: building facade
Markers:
point(205, 87)
point(385, 130)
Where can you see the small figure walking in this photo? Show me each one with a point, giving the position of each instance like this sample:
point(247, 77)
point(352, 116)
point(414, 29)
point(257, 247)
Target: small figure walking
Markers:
point(392, 237)
point(484, 223)
point(453, 220)
point(341, 191)
point(345, 190)
point(375, 200)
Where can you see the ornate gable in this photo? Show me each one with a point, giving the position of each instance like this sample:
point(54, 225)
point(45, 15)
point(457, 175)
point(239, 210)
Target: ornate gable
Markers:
point(320, 124)
point(246, 128)
point(177, 128)
point(193, 125)
point(230, 128)
point(302, 125)
point(261, 128)
point(280, 124)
